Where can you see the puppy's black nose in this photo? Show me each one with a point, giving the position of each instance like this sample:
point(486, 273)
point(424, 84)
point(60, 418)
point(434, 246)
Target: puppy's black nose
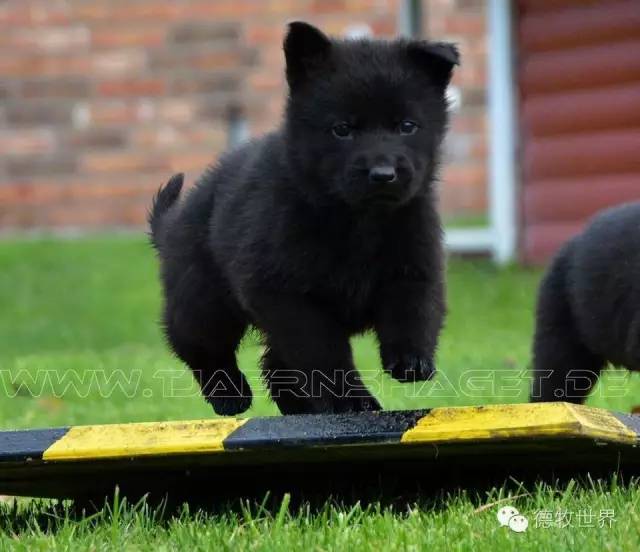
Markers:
point(382, 174)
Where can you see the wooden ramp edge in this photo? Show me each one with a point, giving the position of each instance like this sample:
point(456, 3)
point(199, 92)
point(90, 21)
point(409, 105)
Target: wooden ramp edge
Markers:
point(52, 462)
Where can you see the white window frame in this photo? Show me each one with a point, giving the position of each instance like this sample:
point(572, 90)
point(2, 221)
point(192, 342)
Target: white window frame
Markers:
point(500, 237)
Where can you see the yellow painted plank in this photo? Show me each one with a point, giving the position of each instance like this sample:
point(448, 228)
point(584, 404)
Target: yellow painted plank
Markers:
point(601, 424)
point(521, 420)
point(142, 439)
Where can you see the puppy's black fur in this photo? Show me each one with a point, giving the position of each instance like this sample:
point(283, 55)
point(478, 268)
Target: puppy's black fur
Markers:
point(588, 310)
point(319, 230)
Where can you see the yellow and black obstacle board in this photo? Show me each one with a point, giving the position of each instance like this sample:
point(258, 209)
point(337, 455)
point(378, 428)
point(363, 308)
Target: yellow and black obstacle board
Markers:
point(228, 456)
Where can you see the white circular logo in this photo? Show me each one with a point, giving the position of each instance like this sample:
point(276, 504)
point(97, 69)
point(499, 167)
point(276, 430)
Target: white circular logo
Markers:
point(505, 514)
point(518, 523)
point(509, 517)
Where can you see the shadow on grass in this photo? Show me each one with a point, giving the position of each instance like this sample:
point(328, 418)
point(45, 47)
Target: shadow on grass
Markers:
point(48, 517)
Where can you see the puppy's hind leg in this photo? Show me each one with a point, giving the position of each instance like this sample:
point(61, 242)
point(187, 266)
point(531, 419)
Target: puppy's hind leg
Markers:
point(564, 369)
point(633, 342)
point(309, 368)
point(291, 389)
point(204, 332)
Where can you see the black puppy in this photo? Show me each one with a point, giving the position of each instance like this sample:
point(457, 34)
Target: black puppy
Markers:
point(589, 308)
point(324, 228)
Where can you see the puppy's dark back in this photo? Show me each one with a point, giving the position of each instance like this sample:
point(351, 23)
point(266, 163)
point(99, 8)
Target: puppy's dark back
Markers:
point(604, 281)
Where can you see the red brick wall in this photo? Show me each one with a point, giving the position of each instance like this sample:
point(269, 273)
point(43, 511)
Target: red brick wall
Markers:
point(102, 100)
point(464, 182)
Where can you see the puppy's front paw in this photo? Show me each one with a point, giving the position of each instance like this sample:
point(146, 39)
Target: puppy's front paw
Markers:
point(228, 392)
point(230, 406)
point(366, 404)
point(409, 367)
point(363, 403)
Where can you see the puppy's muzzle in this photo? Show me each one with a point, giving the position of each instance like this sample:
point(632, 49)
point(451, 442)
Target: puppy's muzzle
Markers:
point(383, 174)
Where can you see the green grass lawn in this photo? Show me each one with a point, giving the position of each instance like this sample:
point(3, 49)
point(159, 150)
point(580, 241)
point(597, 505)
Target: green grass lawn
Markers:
point(80, 343)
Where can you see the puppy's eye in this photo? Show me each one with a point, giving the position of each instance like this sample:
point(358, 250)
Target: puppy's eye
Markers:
point(407, 128)
point(342, 131)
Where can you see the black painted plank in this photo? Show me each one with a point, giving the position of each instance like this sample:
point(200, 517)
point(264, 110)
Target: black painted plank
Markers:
point(31, 443)
point(322, 429)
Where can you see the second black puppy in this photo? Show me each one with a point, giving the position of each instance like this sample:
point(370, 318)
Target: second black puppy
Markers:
point(589, 308)
point(324, 228)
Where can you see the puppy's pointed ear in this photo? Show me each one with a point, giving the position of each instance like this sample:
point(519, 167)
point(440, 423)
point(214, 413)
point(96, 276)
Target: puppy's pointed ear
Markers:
point(437, 59)
point(306, 49)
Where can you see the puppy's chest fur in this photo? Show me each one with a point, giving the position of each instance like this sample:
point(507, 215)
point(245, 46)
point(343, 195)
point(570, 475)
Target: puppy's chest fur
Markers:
point(340, 265)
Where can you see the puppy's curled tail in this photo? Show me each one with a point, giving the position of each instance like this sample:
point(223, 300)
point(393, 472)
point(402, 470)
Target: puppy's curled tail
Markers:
point(162, 202)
